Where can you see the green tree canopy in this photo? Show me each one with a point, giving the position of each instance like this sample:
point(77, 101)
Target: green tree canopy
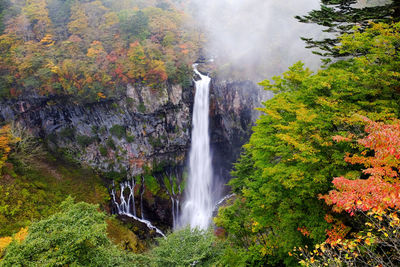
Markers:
point(75, 236)
point(187, 247)
point(291, 157)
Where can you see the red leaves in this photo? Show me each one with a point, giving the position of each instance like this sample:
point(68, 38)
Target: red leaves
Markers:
point(304, 231)
point(337, 233)
point(363, 195)
point(384, 140)
point(381, 190)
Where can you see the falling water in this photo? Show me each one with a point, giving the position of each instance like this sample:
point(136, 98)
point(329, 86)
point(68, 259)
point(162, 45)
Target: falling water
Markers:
point(127, 207)
point(197, 208)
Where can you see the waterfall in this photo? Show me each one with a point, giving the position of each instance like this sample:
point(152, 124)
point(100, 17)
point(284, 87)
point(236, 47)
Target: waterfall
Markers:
point(127, 207)
point(197, 208)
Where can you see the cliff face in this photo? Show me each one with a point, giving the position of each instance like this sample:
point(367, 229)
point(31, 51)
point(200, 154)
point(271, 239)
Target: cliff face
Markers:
point(233, 114)
point(144, 135)
point(143, 127)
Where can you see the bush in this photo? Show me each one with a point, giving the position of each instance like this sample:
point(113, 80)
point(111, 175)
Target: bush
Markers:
point(110, 144)
point(84, 140)
point(187, 247)
point(76, 236)
point(118, 131)
point(103, 151)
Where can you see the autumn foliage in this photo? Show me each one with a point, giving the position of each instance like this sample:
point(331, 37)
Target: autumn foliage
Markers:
point(6, 141)
point(376, 198)
point(381, 159)
point(83, 48)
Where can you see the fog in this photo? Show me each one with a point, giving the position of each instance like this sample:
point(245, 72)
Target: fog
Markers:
point(258, 38)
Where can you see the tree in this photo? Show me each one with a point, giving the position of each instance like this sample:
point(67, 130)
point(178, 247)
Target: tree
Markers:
point(6, 142)
point(74, 236)
point(26, 147)
point(340, 16)
point(37, 13)
point(187, 247)
point(4, 4)
point(375, 200)
point(291, 158)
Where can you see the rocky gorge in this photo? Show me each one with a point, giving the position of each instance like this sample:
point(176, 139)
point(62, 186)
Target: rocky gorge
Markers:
point(145, 136)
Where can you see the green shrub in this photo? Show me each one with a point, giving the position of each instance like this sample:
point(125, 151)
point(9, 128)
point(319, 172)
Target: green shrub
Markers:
point(187, 247)
point(84, 140)
point(118, 131)
point(151, 184)
point(110, 144)
point(130, 138)
point(142, 107)
point(76, 236)
point(103, 151)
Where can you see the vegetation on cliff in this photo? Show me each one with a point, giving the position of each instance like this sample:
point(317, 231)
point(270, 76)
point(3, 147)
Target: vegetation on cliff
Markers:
point(91, 50)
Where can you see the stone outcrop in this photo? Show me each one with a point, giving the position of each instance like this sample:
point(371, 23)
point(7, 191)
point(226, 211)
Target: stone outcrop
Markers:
point(146, 132)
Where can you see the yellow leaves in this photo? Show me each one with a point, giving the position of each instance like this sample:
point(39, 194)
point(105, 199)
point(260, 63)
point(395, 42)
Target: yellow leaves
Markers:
point(4, 242)
point(47, 40)
point(96, 49)
point(263, 251)
point(255, 227)
point(101, 95)
point(6, 140)
point(21, 235)
point(385, 234)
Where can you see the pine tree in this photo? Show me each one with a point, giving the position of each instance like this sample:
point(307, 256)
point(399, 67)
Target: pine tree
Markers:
point(340, 16)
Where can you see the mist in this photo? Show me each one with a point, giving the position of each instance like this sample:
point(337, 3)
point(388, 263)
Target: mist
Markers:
point(256, 38)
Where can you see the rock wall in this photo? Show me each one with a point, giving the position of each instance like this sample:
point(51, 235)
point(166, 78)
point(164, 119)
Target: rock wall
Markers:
point(144, 135)
point(233, 114)
point(143, 127)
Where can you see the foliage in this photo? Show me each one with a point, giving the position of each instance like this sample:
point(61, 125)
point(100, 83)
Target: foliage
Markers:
point(291, 157)
point(381, 158)
point(118, 131)
point(340, 16)
point(74, 236)
point(91, 50)
point(123, 237)
point(6, 140)
point(151, 184)
point(18, 237)
point(84, 140)
point(376, 245)
point(186, 247)
point(26, 147)
point(33, 192)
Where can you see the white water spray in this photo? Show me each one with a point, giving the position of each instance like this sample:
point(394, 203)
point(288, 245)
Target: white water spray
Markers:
point(198, 205)
point(127, 207)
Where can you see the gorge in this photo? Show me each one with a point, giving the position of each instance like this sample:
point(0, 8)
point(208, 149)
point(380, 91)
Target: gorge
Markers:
point(152, 145)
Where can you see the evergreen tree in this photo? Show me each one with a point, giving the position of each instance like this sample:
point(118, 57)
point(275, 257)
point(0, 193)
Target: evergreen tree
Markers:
point(340, 16)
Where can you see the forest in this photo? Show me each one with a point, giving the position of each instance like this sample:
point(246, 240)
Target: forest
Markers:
point(317, 183)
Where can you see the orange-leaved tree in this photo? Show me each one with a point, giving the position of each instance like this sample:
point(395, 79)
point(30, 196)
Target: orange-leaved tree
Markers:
point(376, 198)
point(6, 140)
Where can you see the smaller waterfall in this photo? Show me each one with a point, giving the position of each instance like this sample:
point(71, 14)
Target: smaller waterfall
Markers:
point(174, 192)
point(127, 207)
point(141, 199)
